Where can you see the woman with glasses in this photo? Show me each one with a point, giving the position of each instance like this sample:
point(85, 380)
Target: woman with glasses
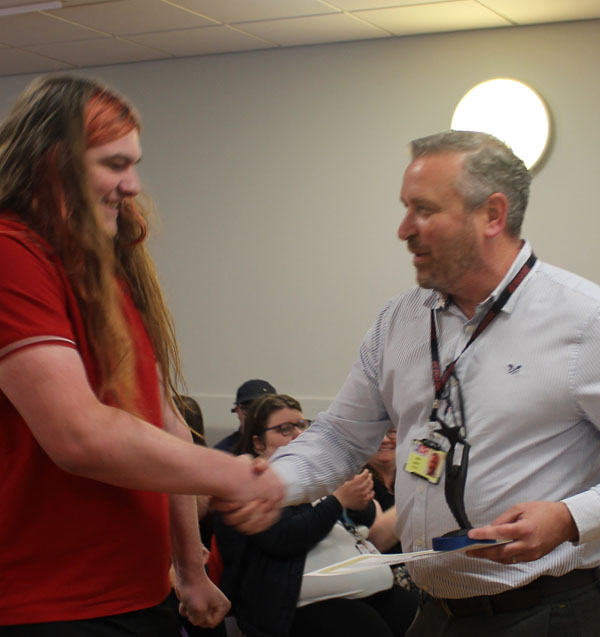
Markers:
point(383, 468)
point(263, 574)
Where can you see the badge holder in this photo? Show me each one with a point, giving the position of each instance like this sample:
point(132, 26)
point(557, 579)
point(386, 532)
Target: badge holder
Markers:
point(426, 460)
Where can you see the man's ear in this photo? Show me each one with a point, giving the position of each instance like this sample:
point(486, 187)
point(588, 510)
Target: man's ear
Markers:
point(496, 210)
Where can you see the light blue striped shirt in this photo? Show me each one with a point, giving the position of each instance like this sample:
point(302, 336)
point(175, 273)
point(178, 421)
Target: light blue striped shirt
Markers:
point(531, 388)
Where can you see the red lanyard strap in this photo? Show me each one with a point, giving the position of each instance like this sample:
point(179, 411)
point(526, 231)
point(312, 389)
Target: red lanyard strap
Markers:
point(439, 379)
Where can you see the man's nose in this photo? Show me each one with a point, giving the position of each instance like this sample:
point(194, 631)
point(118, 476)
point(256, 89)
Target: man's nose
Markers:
point(406, 229)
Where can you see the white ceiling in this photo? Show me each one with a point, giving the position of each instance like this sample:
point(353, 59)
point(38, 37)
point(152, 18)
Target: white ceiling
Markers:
point(97, 32)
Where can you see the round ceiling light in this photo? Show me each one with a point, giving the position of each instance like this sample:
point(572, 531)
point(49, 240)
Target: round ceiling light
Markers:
point(509, 110)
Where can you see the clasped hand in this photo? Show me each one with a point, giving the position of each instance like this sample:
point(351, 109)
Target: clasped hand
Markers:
point(258, 503)
point(357, 492)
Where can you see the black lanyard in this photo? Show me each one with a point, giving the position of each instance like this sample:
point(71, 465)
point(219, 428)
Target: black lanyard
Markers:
point(456, 475)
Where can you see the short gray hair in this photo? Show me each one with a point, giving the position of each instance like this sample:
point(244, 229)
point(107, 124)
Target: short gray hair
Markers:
point(490, 166)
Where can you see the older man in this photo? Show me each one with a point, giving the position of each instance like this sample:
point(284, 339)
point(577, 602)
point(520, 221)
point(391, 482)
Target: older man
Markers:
point(496, 353)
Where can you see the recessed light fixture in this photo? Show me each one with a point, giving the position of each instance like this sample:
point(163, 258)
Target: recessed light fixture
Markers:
point(30, 7)
point(511, 111)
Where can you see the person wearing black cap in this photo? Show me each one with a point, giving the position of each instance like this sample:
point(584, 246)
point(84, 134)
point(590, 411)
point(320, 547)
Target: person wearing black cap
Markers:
point(247, 393)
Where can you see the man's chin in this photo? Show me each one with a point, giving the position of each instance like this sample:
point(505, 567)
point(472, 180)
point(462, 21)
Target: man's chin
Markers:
point(424, 280)
point(427, 283)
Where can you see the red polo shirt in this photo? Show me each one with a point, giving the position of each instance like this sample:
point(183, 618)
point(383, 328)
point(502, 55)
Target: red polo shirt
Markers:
point(70, 547)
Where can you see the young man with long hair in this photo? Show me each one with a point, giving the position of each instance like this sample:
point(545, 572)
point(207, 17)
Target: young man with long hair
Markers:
point(90, 441)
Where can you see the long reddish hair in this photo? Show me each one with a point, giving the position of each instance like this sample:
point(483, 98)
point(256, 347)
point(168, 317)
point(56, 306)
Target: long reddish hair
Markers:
point(43, 181)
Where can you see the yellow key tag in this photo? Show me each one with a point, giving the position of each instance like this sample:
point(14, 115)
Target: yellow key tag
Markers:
point(425, 460)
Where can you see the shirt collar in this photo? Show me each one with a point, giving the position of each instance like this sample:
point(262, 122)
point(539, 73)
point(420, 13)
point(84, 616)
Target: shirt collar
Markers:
point(437, 301)
point(517, 264)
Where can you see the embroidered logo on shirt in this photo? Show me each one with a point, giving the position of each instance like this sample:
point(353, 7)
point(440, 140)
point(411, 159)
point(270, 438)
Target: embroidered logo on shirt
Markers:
point(513, 369)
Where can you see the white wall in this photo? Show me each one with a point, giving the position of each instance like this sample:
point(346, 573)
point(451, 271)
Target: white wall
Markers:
point(276, 175)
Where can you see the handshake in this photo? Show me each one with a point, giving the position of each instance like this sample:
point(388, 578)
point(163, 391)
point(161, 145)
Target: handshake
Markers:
point(258, 500)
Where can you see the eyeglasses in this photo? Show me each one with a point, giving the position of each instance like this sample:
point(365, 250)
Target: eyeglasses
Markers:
point(287, 428)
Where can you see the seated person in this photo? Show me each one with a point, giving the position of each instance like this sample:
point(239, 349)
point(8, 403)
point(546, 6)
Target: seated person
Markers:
point(383, 468)
point(382, 532)
point(192, 414)
point(263, 574)
point(246, 393)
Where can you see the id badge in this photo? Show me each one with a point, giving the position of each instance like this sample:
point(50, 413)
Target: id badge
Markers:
point(426, 459)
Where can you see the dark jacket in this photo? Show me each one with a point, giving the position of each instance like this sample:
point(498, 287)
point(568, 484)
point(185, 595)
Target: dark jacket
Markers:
point(262, 573)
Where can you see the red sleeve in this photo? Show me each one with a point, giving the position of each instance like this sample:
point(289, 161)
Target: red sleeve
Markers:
point(33, 305)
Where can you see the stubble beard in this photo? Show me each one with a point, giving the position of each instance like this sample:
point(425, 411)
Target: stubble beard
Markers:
point(460, 257)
